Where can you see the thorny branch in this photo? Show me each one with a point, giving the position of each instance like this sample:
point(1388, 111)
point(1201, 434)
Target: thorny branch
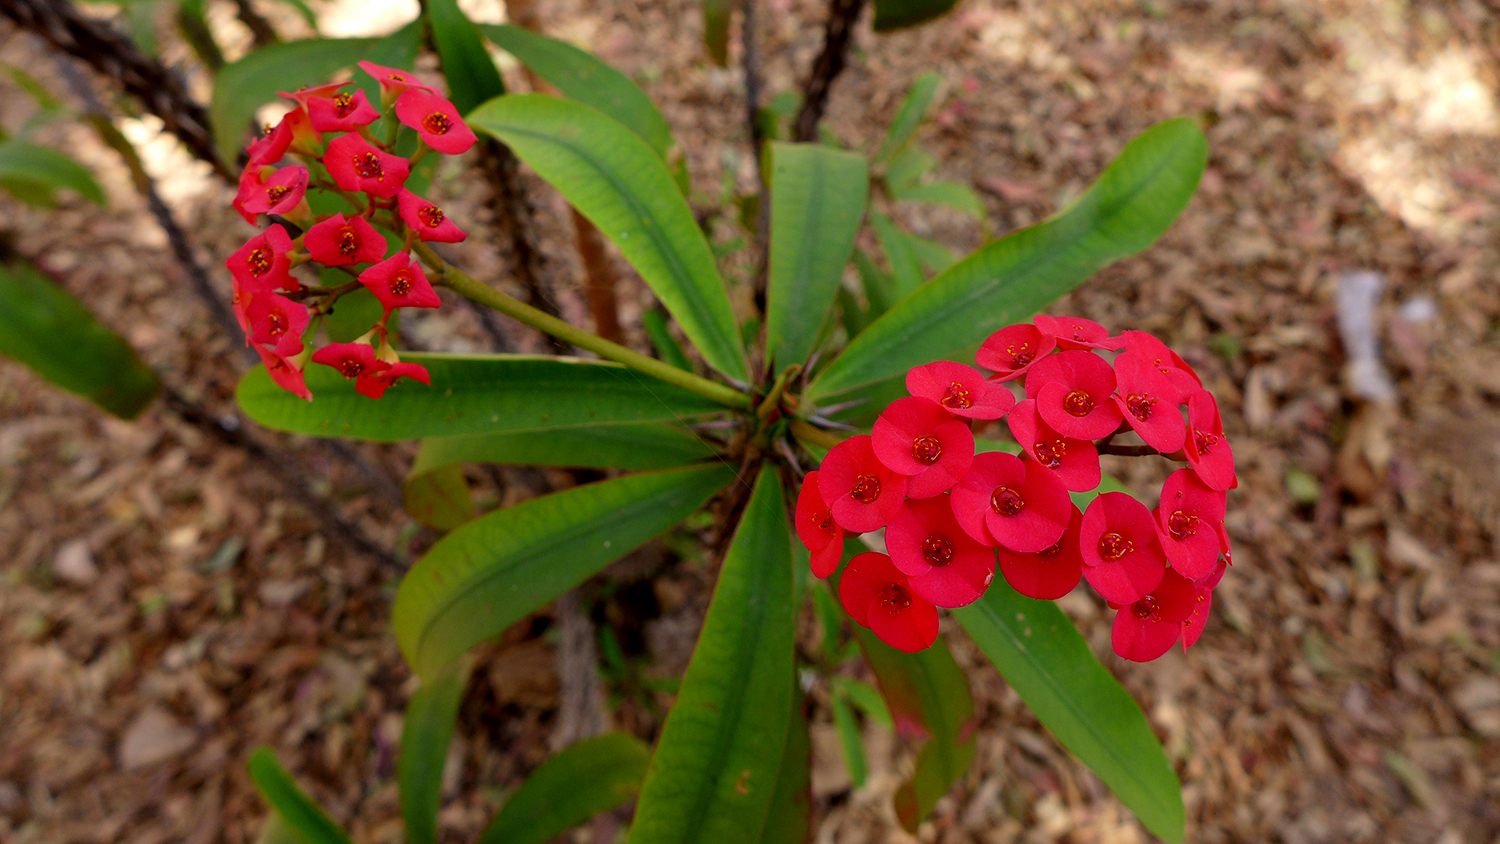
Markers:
point(842, 16)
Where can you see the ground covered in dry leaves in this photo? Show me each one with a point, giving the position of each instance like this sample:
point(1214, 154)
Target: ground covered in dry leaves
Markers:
point(166, 603)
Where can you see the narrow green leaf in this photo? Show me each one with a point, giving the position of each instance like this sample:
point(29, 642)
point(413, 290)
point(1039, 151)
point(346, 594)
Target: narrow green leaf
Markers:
point(907, 167)
point(867, 698)
point(663, 342)
point(929, 697)
point(713, 776)
point(617, 181)
point(716, 30)
point(906, 270)
point(426, 732)
point(1042, 656)
point(850, 740)
point(585, 778)
point(817, 202)
point(790, 818)
point(880, 288)
point(438, 498)
point(934, 256)
point(44, 327)
point(912, 111)
point(1136, 199)
point(649, 445)
point(356, 311)
point(305, 817)
point(896, 14)
point(492, 571)
point(48, 170)
point(471, 74)
point(582, 76)
point(830, 620)
point(854, 315)
point(471, 395)
point(955, 195)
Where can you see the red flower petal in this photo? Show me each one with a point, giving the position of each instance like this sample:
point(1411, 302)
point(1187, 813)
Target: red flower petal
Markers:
point(357, 166)
point(1011, 351)
point(860, 490)
point(1187, 523)
point(825, 560)
point(904, 620)
point(352, 360)
point(1023, 505)
point(264, 262)
point(393, 82)
point(398, 282)
point(339, 241)
point(1203, 601)
point(916, 437)
point(426, 219)
point(960, 389)
point(1072, 391)
point(1076, 462)
point(374, 383)
point(285, 376)
point(1164, 360)
point(1123, 559)
point(341, 112)
point(1050, 573)
point(1149, 402)
point(278, 321)
point(436, 120)
point(814, 520)
point(1208, 452)
point(945, 565)
point(1150, 626)
point(863, 579)
point(1077, 332)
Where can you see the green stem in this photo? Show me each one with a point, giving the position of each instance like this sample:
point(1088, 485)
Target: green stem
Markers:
point(817, 436)
point(465, 285)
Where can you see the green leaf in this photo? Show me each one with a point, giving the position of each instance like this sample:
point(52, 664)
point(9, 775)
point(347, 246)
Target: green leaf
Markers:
point(45, 171)
point(649, 445)
point(907, 166)
point(426, 732)
point(438, 498)
point(790, 818)
point(982, 445)
point(913, 109)
point(850, 740)
point(817, 202)
point(896, 14)
point(953, 195)
point(471, 395)
point(906, 270)
point(471, 74)
point(933, 256)
point(713, 777)
point(1136, 199)
point(44, 327)
point(716, 30)
point(617, 181)
point(1042, 656)
point(929, 697)
point(491, 572)
point(585, 778)
point(880, 287)
point(662, 340)
point(242, 87)
point(398, 50)
point(307, 14)
point(306, 818)
point(867, 698)
point(356, 313)
point(585, 78)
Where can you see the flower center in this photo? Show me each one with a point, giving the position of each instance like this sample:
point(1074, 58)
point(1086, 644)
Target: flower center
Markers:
point(276, 324)
point(1113, 546)
point(401, 283)
point(348, 241)
point(957, 397)
point(259, 262)
point(350, 367)
point(1021, 355)
point(926, 450)
point(937, 550)
point(1050, 454)
point(896, 598)
point(437, 123)
point(1078, 333)
point(1006, 501)
point(276, 192)
point(1181, 525)
point(1052, 550)
point(1145, 608)
point(1205, 441)
point(1078, 403)
point(367, 166)
point(342, 104)
point(1140, 406)
point(431, 216)
point(825, 521)
point(866, 489)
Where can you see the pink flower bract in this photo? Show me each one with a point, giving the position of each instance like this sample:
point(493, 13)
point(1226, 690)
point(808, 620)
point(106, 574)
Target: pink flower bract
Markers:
point(1075, 461)
point(817, 530)
point(1050, 573)
point(1011, 351)
point(339, 241)
point(426, 219)
point(398, 282)
point(284, 374)
point(916, 437)
point(1148, 627)
point(436, 120)
point(1123, 559)
point(945, 565)
point(1149, 403)
point(961, 390)
point(1073, 392)
point(1016, 504)
point(1188, 523)
point(357, 166)
point(1076, 332)
point(860, 490)
point(1208, 452)
point(878, 596)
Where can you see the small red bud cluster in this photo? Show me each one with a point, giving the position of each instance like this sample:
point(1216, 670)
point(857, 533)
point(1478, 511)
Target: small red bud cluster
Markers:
point(949, 513)
point(328, 133)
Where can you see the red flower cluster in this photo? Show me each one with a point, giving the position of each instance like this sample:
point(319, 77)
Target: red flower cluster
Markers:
point(267, 297)
point(951, 515)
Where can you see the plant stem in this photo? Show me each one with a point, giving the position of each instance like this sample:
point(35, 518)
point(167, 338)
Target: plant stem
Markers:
point(817, 436)
point(465, 285)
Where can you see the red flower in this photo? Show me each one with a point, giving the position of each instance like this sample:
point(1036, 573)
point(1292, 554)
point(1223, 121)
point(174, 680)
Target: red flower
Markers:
point(357, 166)
point(436, 120)
point(282, 192)
point(1122, 557)
point(1208, 453)
point(1076, 332)
point(916, 437)
point(862, 493)
point(341, 240)
point(286, 376)
point(393, 82)
point(1076, 462)
point(376, 383)
point(1050, 573)
point(426, 219)
point(960, 389)
point(1149, 403)
point(1188, 523)
point(1010, 352)
point(294, 131)
point(398, 282)
point(1072, 391)
point(352, 360)
point(277, 321)
point(1149, 626)
point(817, 529)
point(1203, 601)
point(263, 263)
point(337, 112)
point(878, 596)
point(944, 564)
point(1004, 501)
point(1167, 362)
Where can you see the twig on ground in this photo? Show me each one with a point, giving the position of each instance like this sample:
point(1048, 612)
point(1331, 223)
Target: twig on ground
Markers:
point(837, 33)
